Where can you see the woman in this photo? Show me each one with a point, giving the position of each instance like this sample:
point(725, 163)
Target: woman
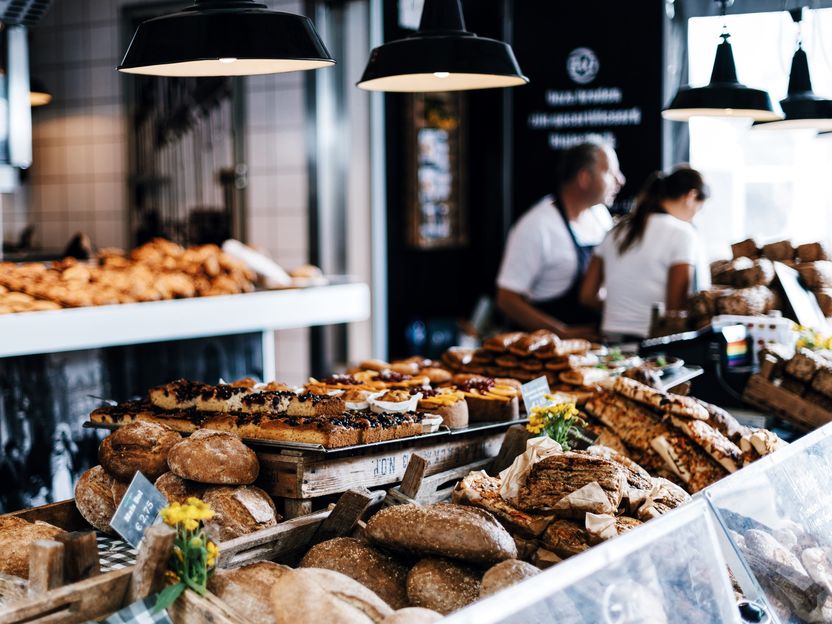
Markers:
point(653, 255)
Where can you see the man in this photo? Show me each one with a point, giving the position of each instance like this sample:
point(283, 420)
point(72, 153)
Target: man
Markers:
point(549, 248)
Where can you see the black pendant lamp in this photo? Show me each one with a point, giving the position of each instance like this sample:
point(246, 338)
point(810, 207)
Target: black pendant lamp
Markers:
point(39, 95)
point(724, 96)
point(803, 109)
point(441, 56)
point(225, 38)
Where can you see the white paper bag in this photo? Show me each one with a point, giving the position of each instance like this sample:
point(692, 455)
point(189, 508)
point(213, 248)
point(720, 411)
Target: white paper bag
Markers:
point(515, 475)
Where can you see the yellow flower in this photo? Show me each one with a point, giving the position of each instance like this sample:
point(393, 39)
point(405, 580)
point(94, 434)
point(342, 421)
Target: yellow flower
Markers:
point(171, 576)
point(196, 542)
point(190, 524)
point(213, 552)
point(178, 553)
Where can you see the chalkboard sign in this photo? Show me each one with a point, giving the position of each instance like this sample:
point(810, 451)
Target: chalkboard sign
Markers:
point(138, 510)
point(595, 69)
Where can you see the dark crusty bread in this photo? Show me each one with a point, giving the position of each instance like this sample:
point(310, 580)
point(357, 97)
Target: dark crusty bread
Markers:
point(812, 252)
point(781, 250)
point(313, 596)
point(505, 574)
point(442, 585)
point(16, 539)
point(443, 529)
point(413, 615)
point(137, 447)
point(238, 511)
point(747, 249)
point(178, 490)
point(363, 563)
point(214, 457)
point(247, 590)
point(566, 538)
point(804, 365)
point(97, 495)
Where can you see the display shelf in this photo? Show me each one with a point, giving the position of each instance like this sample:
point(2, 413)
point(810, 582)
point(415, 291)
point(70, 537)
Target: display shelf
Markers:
point(74, 329)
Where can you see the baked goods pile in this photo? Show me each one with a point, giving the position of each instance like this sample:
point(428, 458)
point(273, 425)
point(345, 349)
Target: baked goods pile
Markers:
point(411, 565)
point(212, 465)
point(683, 439)
point(807, 374)
point(16, 538)
point(155, 271)
point(566, 364)
point(743, 285)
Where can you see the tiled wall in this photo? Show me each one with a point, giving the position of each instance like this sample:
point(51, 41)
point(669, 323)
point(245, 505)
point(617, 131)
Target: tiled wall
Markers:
point(77, 181)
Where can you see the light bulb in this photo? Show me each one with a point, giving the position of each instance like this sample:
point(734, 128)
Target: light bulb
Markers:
point(441, 74)
point(228, 60)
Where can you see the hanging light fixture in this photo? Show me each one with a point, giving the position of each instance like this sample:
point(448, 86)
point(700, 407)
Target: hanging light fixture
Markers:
point(225, 38)
point(803, 108)
point(441, 56)
point(39, 95)
point(724, 96)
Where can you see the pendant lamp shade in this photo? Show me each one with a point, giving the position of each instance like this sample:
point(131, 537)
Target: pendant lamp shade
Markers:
point(441, 56)
point(39, 95)
point(225, 38)
point(724, 96)
point(803, 109)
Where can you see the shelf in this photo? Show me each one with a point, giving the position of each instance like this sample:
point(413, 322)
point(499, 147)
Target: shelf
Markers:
point(73, 329)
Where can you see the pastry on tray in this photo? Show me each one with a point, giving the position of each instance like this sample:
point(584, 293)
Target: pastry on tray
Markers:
point(490, 400)
point(448, 403)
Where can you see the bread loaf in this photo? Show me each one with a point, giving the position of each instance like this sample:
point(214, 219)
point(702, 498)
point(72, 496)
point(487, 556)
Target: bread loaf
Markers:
point(760, 273)
point(781, 250)
point(413, 615)
point(363, 563)
point(16, 539)
point(566, 538)
point(747, 248)
point(238, 511)
point(824, 297)
point(137, 447)
point(97, 496)
point(442, 529)
point(247, 590)
point(442, 585)
point(505, 574)
point(812, 252)
point(816, 275)
point(178, 490)
point(313, 596)
point(753, 301)
point(804, 365)
point(214, 457)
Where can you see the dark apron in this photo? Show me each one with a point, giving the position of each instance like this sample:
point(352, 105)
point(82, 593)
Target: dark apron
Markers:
point(567, 307)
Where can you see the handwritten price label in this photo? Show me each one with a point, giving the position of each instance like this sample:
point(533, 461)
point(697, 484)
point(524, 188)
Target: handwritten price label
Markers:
point(138, 510)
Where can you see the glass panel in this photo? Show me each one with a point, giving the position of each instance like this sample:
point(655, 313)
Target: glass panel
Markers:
point(778, 515)
point(669, 571)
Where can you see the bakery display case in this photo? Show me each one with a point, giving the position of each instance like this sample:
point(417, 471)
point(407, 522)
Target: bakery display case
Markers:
point(777, 515)
point(673, 571)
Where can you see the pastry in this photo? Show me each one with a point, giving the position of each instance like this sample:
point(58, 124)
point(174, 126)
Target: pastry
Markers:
point(489, 400)
point(447, 403)
point(712, 442)
point(675, 404)
point(176, 395)
point(501, 342)
point(811, 252)
point(781, 250)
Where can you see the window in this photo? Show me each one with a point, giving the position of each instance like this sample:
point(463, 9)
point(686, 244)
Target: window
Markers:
point(770, 185)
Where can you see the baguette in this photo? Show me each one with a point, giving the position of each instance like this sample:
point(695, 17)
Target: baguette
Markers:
point(675, 404)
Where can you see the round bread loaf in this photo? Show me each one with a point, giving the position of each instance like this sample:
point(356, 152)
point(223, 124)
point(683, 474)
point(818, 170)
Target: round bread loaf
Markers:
point(216, 457)
point(238, 511)
point(16, 538)
point(443, 529)
point(413, 615)
point(363, 563)
point(247, 590)
point(442, 585)
point(505, 574)
point(137, 447)
point(178, 490)
point(312, 596)
point(97, 495)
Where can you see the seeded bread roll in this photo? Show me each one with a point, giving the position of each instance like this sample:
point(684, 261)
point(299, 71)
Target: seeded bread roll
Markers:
point(442, 585)
point(505, 574)
point(313, 596)
point(247, 590)
point(97, 495)
point(16, 539)
point(214, 457)
point(239, 511)
point(442, 529)
point(137, 447)
point(178, 490)
point(363, 563)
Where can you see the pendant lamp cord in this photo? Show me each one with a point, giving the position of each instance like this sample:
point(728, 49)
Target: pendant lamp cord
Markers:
point(723, 10)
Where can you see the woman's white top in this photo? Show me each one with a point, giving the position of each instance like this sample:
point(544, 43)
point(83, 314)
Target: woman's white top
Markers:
point(637, 279)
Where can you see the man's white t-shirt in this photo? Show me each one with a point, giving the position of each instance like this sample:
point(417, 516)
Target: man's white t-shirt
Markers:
point(638, 279)
point(540, 261)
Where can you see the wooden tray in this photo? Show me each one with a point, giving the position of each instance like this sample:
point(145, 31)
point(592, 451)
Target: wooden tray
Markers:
point(300, 476)
point(768, 396)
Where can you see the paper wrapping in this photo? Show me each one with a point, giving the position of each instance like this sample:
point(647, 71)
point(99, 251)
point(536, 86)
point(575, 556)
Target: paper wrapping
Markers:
point(515, 475)
point(601, 527)
point(591, 498)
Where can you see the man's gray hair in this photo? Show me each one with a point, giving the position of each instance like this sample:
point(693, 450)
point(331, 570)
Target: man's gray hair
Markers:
point(579, 157)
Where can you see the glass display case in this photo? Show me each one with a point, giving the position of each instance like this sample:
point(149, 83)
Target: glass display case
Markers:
point(671, 570)
point(777, 516)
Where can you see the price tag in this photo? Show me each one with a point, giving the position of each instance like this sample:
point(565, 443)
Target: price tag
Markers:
point(138, 510)
point(534, 393)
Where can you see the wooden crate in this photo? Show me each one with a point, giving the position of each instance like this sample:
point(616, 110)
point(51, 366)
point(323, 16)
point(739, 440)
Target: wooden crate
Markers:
point(766, 395)
point(301, 476)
